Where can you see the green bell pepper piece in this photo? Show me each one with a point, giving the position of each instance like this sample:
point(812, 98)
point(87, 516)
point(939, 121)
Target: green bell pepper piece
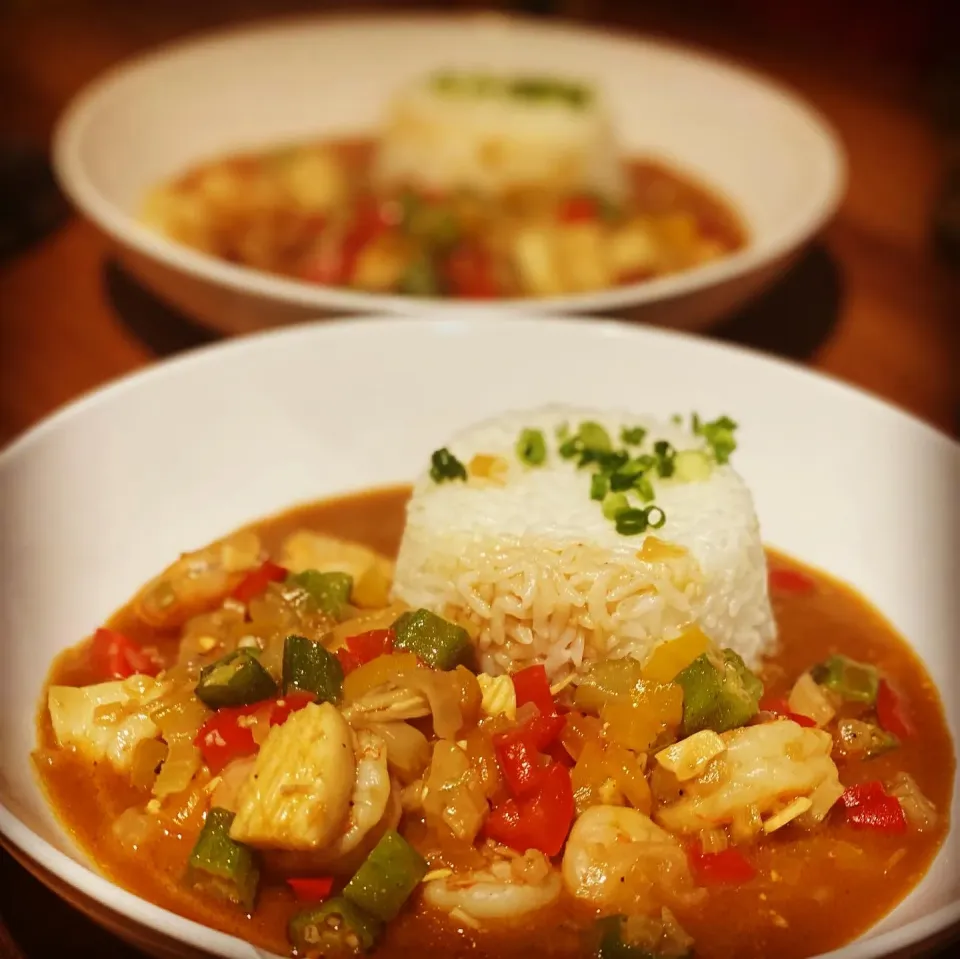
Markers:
point(718, 693)
point(606, 680)
point(334, 928)
point(237, 679)
point(387, 877)
point(309, 667)
point(329, 591)
point(610, 944)
point(853, 681)
point(222, 867)
point(439, 643)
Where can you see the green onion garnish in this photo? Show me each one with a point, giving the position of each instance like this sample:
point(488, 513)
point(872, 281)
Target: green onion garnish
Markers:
point(615, 504)
point(599, 486)
point(630, 522)
point(531, 447)
point(655, 522)
point(594, 437)
point(665, 454)
point(719, 436)
point(445, 466)
point(633, 435)
point(644, 488)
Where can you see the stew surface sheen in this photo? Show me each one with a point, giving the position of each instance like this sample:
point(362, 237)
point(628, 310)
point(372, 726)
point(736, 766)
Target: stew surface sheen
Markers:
point(812, 893)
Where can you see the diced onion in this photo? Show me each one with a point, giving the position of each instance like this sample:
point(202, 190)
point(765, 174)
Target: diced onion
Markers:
point(147, 755)
point(713, 840)
point(453, 794)
point(920, 812)
point(808, 699)
point(179, 717)
point(408, 751)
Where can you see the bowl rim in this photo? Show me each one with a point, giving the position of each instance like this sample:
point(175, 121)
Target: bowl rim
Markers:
point(811, 214)
point(82, 877)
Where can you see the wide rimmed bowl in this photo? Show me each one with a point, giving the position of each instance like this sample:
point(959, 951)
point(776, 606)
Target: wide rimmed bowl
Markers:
point(758, 145)
point(99, 497)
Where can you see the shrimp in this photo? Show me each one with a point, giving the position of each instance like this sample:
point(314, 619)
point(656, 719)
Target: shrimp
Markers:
point(620, 860)
point(764, 767)
point(505, 891)
point(197, 581)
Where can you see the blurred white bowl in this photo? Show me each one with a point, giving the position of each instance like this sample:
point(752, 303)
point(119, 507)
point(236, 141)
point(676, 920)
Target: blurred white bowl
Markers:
point(769, 154)
point(92, 505)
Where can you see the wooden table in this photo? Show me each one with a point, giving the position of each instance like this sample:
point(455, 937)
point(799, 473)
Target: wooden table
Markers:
point(869, 303)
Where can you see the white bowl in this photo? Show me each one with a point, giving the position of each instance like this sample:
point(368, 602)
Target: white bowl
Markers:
point(99, 497)
point(767, 152)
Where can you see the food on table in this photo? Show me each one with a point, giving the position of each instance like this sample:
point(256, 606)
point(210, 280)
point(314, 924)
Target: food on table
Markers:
point(477, 186)
point(564, 722)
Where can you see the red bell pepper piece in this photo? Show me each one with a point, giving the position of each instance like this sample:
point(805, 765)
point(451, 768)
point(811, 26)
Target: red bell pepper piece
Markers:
point(222, 738)
point(543, 730)
point(891, 713)
point(118, 657)
point(468, 272)
point(519, 761)
point(287, 704)
point(311, 889)
point(532, 686)
point(790, 581)
point(539, 822)
point(579, 209)
point(862, 793)
point(869, 807)
point(365, 647)
point(728, 867)
point(256, 581)
point(779, 706)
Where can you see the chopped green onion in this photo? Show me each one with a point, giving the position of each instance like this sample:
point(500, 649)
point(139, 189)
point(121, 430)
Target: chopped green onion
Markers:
point(676, 419)
point(334, 928)
point(666, 455)
point(531, 447)
point(309, 667)
point(719, 436)
point(610, 462)
point(570, 447)
point(237, 679)
point(562, 432)
point(614, 504)
point(599, 486)
point(655, 521)
point(633, 435)
point(644, 488)
point(594, 437)
point(445, 466)
point(330, 592)
point(691, 466)
point(220, 866)
point(439, 643)
point(630, 522)
point(387, 877)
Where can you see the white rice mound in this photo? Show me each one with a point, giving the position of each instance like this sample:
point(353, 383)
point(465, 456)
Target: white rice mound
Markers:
point(536, 573)
point(490, 143)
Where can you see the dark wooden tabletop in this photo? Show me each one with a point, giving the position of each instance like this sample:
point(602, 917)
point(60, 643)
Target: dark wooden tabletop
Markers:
point(871, 301)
